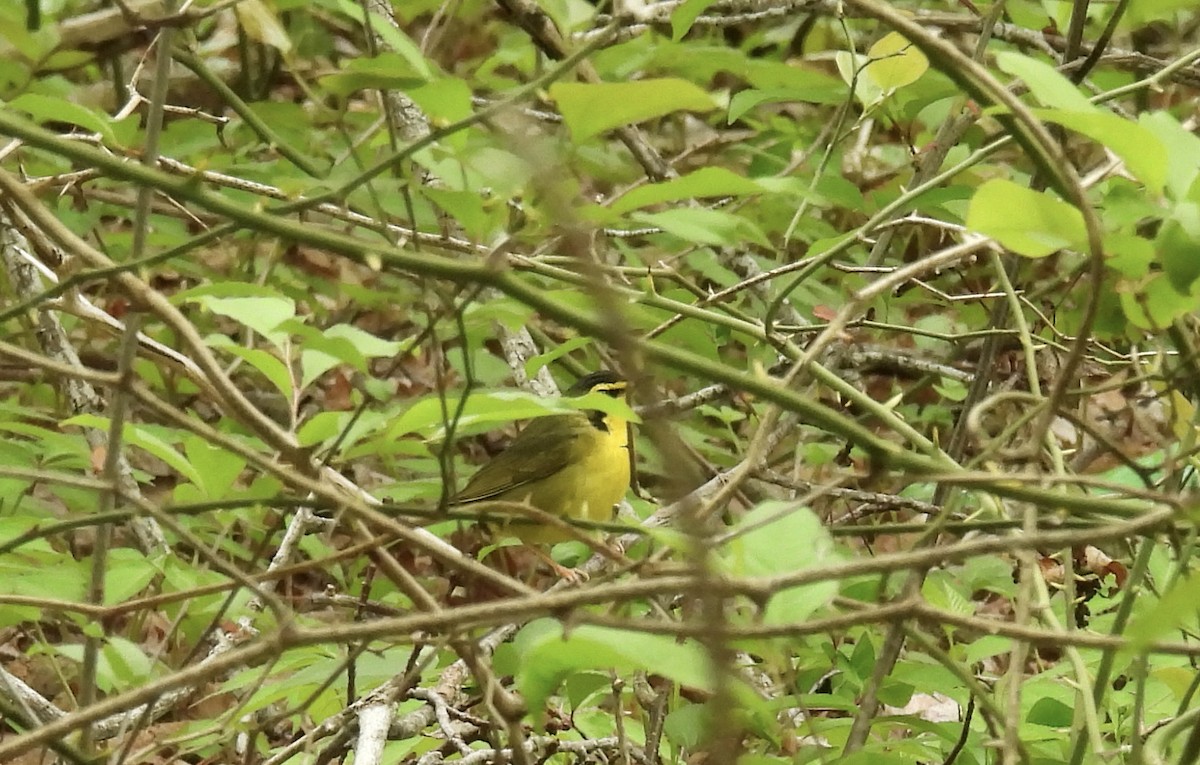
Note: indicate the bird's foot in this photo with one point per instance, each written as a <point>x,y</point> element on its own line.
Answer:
<point>570,575</point>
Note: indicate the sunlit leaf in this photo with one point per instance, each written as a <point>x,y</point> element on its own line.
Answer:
<point>1028,222</point>
<point>1183,151</point>
<point>261,24</point>
<point>128,572</point>
<point>43,109</point>
<point>143,438</point>
<point>894,62</point>
<point>705,182</point>
<point>262,314</point>
<point>1178,244</point>
<point>851,66</point>
<point>219,468</point>
<point>781,538</point>
<point>391,34</point>
<point>270,365</point>
<point>715,227</point>
<point>590,109</point>
<point>685,14</point>
<point>385,71</point>
<point>1153,303</point>
<point>547,655</point>
<point>1141,150</point>
<point>1046,84</point>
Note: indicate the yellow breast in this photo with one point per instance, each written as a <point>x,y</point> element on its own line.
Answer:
<point>594,479</point>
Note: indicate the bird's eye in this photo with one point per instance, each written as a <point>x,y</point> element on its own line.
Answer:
<point>612,391</point>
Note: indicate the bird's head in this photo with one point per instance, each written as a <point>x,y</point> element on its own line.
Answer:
<point>608,383</point>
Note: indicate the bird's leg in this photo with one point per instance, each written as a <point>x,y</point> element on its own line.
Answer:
<point>572,575</point>
<point>615,548</point>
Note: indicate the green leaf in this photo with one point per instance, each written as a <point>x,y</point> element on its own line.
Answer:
<point>547,654</point>
<point>1140,149</point>
<point>1142,12</point>
<point>321,427</point>
<point>1045,82</point>
<point>688,726</point>
<point>850,66</point>
<point>568,15</point>
<point>267,363</point>
<point>774,83</point>
<point>986,646</point>
<point>24,573</point>
<point>262,25</point>
<point>386,71</point>
<point>1176,609</point>
<point>895,62</point>
<point>705,182</point>
<point>143,438</point>
<point>325,349</point>
<point>1129,255</point>
<point>1178,244</point>
<point>468,209</point>
<point>120,663</point>
<point>781,538</point>
<point>63,60</point>
<point>218,468</point>
<point>12,527</point>
<point>584,685</point>
<point>313,364</point>
<point>1050,712</point>
<point>127,573</point>
<point>862,659</point>
<point>42,109</point>
<point>701,226</point>
<point>535,364</point>
<point>952,389</point>
<point>1028,222</point>
<point>339,344</point>
<point>745,100</point>
<point>445,99</point>
<point>32,45</point>
<point>391,34</point>
<point>590,109</point>
<point>895,693</point>
<point>892,63</point>
<point>482,408</point>
<point>1154,303</point>
<point>364,342</point>
<point>261,314</point>
<point>685,14</point>
<point>1183,151</point>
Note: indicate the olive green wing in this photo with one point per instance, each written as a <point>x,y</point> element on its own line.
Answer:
<point>543,448</point>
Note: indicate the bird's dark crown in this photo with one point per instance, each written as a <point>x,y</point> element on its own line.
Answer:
<point>603,381</point>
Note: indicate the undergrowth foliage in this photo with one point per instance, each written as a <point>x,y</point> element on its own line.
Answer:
<point>906,294</point>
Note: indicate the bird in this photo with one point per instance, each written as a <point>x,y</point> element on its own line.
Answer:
<point>572,466</point>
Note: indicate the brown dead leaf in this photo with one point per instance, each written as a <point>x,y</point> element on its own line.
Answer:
<point>1096,561</point>
<point>98,458</point>
<point>117,307</point>
<point>1052,571</point>
<point>338,393</point>
<point>315,262</point>
<point>1111,401</point>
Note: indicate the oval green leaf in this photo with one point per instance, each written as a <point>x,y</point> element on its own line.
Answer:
<point>590,109</point>
<point>1028,222</point>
